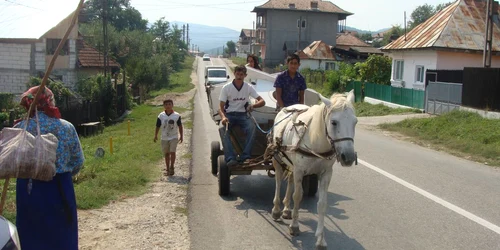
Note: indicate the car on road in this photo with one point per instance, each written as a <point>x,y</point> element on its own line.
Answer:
<point>215,78</point>
<point>206,57</point>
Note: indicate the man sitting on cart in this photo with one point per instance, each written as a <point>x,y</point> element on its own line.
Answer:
<point>234,105</point>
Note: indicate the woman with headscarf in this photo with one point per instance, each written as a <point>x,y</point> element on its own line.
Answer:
<point>253,61</point>
<point>46,210</point>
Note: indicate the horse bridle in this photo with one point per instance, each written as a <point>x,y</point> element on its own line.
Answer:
<point>330,139</point>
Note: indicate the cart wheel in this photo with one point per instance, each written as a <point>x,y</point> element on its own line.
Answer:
<point>310,185</point>
<point>214,154</point>
<point>224,175</point>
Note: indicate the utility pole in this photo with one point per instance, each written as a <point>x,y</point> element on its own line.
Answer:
<point>105,34</point>
<point>187,35</point>
<point>222,50</point>
<point>300,31</point>
<point>184,33</point>
<point>252,38</point>
<point>488,34</point>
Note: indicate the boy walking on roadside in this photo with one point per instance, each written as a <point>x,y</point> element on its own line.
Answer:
<point>290,84</point>
<point>171,126</point>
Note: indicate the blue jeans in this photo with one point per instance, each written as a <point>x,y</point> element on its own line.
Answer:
<point>247,126</point>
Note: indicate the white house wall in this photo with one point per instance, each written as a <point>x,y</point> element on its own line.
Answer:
<point>456,60</point>
<point>309,64</point>
<point>412,59</point>
<point>314,64</point>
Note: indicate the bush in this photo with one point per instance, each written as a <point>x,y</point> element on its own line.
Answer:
<point>6,101</point>
<point>98,88</point>
<point>61,92</point>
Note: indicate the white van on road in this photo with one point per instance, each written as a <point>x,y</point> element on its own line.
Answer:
<point>215,78</point>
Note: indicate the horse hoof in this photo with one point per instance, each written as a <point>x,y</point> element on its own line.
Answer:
<point>294,231</point>
<point>287,215</point>
<point>320,247</point>
<point>276,215</point>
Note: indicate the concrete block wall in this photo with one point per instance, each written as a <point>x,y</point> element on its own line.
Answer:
<point>13,80</point>
<point>14,67</point>
<point>72,54</point>
<point>15,56</point>
<point>40,56</point>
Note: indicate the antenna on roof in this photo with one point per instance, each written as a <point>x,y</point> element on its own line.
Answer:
<point>405,26</point>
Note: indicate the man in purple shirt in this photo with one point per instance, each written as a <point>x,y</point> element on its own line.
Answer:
<point>290,84</point>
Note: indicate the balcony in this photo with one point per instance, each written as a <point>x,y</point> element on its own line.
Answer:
<point>260,25</point>
<point>260,41</point>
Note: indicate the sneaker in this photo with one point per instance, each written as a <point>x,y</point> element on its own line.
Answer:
<point>232,163</point>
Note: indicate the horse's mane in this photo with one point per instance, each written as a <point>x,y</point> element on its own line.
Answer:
<point>317,126</point>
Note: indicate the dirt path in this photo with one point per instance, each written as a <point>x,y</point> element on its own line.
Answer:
<point>155,220</point>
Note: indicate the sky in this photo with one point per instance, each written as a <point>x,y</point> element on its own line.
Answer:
<point>32,18</point>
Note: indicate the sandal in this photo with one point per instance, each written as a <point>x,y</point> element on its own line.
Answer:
<point>171,171</point>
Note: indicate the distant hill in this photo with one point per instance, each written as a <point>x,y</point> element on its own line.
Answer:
<point>209,38</point>
<point>366,31</point>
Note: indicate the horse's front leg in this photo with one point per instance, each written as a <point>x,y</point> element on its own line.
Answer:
<point>278,171</point>
<point>297,198</point>
<point>324,182</point>
<point>287,212</point>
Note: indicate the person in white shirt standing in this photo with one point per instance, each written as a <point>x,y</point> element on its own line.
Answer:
<point>234,105</point>
<point>171,126</point>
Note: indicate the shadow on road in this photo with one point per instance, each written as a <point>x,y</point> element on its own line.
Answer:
<point>257,193</point>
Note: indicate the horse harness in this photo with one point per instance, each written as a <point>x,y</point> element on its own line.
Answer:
<point>283,149</point>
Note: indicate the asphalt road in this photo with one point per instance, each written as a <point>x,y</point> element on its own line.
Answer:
<point>400,196</point>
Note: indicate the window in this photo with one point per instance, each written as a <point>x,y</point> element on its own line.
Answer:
<point>51,46</point>
<point>291,6</point>
<point>303,23</point>
<point>329,66</point>
<point>419,77</point>
<point>398,69</point>
<point>314,5</point>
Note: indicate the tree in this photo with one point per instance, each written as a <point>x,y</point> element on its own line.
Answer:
<point>389,36</point>
<point>420,15</point>
<point>376,69</point>
<point>231,47</point>
<point>364,36</point>
<point>161,29</point>
<point>424,12</point>
<point>120,14</point>
<point>441,6</point>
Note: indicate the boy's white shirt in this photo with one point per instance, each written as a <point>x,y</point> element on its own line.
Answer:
<point>169,130</point>
<point>237,99</point>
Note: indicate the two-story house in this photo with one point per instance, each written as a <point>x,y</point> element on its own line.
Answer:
<point>244,43</point>
<point>284,26</point>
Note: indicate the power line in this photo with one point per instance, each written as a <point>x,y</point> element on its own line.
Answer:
<point>20,4</point>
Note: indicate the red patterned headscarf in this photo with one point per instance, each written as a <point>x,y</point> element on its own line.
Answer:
<point>44,103</point>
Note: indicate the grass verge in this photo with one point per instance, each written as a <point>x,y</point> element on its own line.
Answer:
<point>239,60</point>
<point>132,165</point>
<point>178,80</point>
<point>367,109</point>
<point>463,134</point>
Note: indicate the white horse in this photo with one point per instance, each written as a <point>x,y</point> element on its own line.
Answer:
<point>310,144</point>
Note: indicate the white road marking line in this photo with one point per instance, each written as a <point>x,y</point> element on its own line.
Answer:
<point>436,199</point>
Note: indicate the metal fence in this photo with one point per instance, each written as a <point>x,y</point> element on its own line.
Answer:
<point>443,97</point>
<point>402,96</point>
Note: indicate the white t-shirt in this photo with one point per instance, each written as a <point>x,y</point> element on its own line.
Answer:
<point>169,125</point>
<point>237,100</point>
